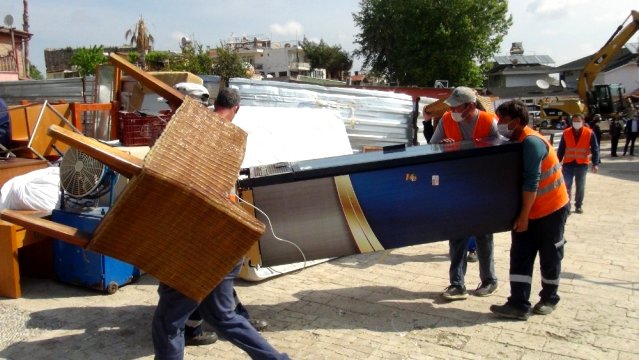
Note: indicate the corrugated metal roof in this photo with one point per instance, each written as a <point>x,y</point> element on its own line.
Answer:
<point>69,90</point>
<point>371,117</point>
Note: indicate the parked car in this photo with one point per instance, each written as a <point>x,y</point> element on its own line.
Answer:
<point>534,111</point>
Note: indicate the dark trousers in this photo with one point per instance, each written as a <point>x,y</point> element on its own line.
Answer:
<point>614,142</point>
<point>546,237</point>
<point>457,249</point>
<point>472,244</point>
<point>217,309</point>
<point>630,139</point>
<point>196,330</point>
<point>577,172</point>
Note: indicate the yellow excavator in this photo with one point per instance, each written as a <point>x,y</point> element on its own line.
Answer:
<point>604,99</point>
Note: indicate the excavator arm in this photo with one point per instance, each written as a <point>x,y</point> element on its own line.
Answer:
<point>601,58</point>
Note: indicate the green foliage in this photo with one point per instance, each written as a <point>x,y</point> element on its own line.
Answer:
<point>34,73</point>
<point>416,42</point>
<point>334,59</point>
<point>86,60</point>
<point>133,57</point>
<point>193,59</point>
<point>158,60</point>
<point>228,65</point>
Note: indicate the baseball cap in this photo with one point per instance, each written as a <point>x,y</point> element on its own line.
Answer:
<point>195,90</point>
<point>461,95</point>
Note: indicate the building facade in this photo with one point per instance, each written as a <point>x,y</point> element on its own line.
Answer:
<point>58,61</point>
<point>13,62</point>
<point>276,60</point>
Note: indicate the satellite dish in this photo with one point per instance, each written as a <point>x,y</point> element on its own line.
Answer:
<point>563,84</point>
<point>8,20</point>
<point>542,84</point>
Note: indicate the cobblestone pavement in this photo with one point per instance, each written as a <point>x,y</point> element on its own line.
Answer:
<point>383,305</point>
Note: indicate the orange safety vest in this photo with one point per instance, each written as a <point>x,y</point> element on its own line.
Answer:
<point>552,194</point>
<point>481,130</point>
<point>578,151</point>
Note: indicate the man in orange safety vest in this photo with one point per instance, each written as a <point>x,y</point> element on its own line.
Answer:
<point>577,149</point>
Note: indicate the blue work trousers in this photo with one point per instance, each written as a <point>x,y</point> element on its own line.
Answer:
<point>472,244</point>
<point>457,250</point>
<point>578,173</point>
<point>218,310</point>
<point>546,237</point>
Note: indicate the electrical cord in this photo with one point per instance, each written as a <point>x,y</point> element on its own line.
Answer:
<point>234,197</point>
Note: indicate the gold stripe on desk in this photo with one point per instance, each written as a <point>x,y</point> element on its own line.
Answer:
<point>363,235</point>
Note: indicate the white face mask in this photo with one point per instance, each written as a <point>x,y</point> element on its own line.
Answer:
<point>503,130</point>
<point>577,125</point>
<point>458,117</point>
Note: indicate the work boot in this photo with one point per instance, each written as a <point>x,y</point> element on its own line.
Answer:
<point>472,256</point>
<point>205,338</point>
<point>455,292</point>
<point>508,311</point>
<point>258,324</point>
<point>486,289</point>
<point>543,308</point>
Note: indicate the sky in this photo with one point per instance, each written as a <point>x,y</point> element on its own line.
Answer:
<point>565,30</point>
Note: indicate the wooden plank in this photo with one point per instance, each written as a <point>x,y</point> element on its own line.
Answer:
<point>123,163</point>
<point>9,266</point>
<point>172,96</point>
<point>50,228</point>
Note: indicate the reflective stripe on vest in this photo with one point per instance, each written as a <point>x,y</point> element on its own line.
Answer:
<point>577,151</point>
<point>551,192</point>
<point>482,126</point>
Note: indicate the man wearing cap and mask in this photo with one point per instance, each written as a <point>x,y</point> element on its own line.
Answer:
<point>539,225</point>
<point>578,148</point>
<point>463,122</point>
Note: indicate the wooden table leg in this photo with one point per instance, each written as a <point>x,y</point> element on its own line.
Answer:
<point>9,266</point>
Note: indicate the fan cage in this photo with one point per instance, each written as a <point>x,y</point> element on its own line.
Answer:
<point>82,176</point>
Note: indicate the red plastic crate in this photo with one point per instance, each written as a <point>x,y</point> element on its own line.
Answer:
<point>140,129</point>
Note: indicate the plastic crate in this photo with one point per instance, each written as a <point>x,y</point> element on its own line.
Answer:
<point>140,129</point>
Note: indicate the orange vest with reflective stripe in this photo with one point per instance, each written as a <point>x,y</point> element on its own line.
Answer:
<point>552,194</point>
<point>481,130</point>
<point>577,151</point>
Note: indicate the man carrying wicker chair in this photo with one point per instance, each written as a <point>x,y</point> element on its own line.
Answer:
<point>219,307</point>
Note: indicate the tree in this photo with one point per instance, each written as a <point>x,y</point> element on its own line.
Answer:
<point>141,39</point>
<point>334,59</point>
<point>34,73</point>
<point>86,61</point>
<point>416,42</point>
<point>158,60</point>
<point>193,59</point>
<point>228,65</point>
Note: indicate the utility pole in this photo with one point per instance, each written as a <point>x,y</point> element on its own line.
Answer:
<point>25,27</point>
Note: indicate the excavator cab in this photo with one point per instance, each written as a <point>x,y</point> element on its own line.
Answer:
<point>606,99</point>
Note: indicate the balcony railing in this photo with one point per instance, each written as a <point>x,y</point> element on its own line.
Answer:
<point>8,63</point>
